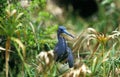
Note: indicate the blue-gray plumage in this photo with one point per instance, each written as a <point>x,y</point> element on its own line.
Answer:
<point>62,51</point>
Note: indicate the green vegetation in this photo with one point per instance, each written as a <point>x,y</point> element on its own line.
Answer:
<point>28,37</point>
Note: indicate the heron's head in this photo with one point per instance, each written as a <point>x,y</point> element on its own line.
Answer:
<point>62,29</point>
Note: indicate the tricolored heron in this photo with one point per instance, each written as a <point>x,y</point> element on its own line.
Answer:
<point>62,51</point>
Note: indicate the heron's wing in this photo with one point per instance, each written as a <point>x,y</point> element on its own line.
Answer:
<point>70,58</point>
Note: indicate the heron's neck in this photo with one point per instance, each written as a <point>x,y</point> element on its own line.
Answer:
<point>60,37</point>
<point>62,41</point>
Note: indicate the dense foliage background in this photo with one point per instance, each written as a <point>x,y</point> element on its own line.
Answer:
<point>28,37</point>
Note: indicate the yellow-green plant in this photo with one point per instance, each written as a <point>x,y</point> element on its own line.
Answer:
<point>102,57</point>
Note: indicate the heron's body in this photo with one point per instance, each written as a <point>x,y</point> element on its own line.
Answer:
<point>60,49</point>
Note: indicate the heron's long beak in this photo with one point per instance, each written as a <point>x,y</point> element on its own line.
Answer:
<point>66,32</point>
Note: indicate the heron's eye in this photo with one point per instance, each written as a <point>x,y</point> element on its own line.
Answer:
<point>61,30</point>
